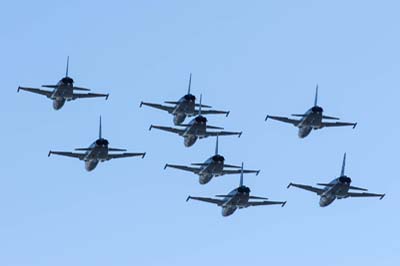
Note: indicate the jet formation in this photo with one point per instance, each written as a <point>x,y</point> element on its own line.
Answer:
<point>312,119</point>
<point>198,128</point>
<point>63,91</point>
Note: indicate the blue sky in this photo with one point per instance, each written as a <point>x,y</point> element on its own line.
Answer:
<point>252,58</point>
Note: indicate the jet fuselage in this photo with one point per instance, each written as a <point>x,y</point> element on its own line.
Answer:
<point>185,107</point>
<point>238,198</point>
<point>97,152</point>
<point>196,129</point>
<point>337,190</point>
<point>213,166</point>
<point>312,120</point>
<point>63,92</point>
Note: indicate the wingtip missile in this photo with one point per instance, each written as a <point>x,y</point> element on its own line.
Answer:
<point>107,96</point>
<point>355,125</point>
<point>188,198</point>
<point>151,126</point>
<point>143,155</point>
<point>240,134</point>
<point>266,118</point>
<point>141,104</point>
<point>382,196</point>
<point>50,152</point>
<point>258,172</point>
<point>166,166</point>
<point>18,88</point>
<point>227,113</point>
<point>290,184</point>
<point>283,204</point>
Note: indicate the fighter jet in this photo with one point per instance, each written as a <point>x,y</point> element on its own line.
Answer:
<point>312,119</point>
<point>339,188</point>
<point>212,167</point>
<point>237,198</point>
<point>97,152</point>
<point>63,91</point>
<point>184,107</point>
<point>197,128</point>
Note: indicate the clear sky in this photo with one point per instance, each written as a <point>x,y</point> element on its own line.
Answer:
<point>250,57</point>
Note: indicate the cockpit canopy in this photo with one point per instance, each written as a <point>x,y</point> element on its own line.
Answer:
<point>102,142</point>
<point>345,180</point>
<point>201,119</point>
<point>67,81</point>
<point>190,98</point>
<point>218,158</point>
<point>243,190</point>
<point>317,109</point>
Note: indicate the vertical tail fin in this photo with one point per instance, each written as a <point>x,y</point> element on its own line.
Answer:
<point>190,83</point>
<point>100,129</point>
<point>343,165</point>
<point>66,71</point>
<point>316,96</point>
<point>241,176</point>
<point>216,146</point>
<point>201,96</point>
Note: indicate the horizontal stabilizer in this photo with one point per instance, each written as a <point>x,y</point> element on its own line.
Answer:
<point>358,188</point>
<point>80,89</point>
<point>83,149</point>
<point>200,164</point>
<point>50,86</point>
<point>299,115</point>
<point>330,117</point>
<point>115,149</point>
<point>325,185</point>
<point>232,166</point>
<point>224,196</point>
<point>213,127</point>
<point>171,102</point>
<point>203,105</point>
<point>255,197</point>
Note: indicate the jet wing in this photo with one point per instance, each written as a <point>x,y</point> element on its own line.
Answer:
<point>184,168</point>
<point>88,95</point>
<point>265,202</point>
<point>319,191</point>
<point>209,200</point>
<point>294,122</point>
<point>169,109</point>
<point>364,194</point>
<point>37,91</point>
<point>338,124</point>
<point>169,129</point>
<point>222,133</point>
<point>80,156</point>
<point>212,112</point>
<point>125,155</point>
<point>238,171</point>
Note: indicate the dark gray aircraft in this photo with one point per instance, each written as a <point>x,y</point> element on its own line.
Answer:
<point>312,119</point>
<point>197,128</point>
<point>212,167</point>
<point>237,198</point>
<point>97,152</point>
<point>63,91</point>
<point>186,106</point>
<point>339,188</point>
